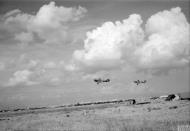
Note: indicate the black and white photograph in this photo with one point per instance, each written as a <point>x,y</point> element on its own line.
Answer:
<point>94,65</point>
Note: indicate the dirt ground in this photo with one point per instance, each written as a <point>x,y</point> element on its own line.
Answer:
<point>152,115</point>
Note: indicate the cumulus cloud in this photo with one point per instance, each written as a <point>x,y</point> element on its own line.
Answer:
<point>168,40</point>
<point>108,46</point>
<point>163,43</point>
<point>50,65</point>
<point>24,37</point>
<point>2,66</point>
<point>12,13</point>
<point>27,71</point>
<point>50,23</point>
<point>21,77</point>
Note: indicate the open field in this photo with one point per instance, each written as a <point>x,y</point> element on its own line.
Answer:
<point>147,115</point>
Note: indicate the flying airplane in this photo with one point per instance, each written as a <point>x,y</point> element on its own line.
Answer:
<point>99,80</point>
<point>139,82</point>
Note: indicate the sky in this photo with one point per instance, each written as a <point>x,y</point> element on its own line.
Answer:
<point>50,51</point>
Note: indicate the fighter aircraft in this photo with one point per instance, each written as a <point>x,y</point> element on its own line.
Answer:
<point>99,80</point>
<point>139,82</point>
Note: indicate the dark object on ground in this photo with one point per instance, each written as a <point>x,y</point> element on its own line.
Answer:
<point>154,98</point>
<point>4,110</point>
<point>185,99</point>
<point>4,119</point>
<point>18,109</point>
<point>142,103</point>
<point>153,108</point>
<point>130,101</point>
<point>173,107</point>
<point>170,97</point>
<point>67,115</point>
<point>36,108</point>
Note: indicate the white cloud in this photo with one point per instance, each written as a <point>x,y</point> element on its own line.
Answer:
<point>21,77</point>
<point>45,72</point>
<point>12,13</point>
<point>168,40</point>
<point>27,71</point>
<point>50,65</point>
<point>2,66</point>
<point>13,24</point>
<point>53,16</point>
<point>164,43</point>
<point>70,67</point>
<point>108,46</point>
<point>50,23</point>
<point>32,63</point>
<point>24,37</point>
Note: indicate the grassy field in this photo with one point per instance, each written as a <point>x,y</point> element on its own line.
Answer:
<point>145,116</point>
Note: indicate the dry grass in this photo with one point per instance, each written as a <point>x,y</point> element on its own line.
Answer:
<point>115,118</point>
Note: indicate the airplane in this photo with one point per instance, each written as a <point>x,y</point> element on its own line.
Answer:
<point>139,82</point>
<point>99,80</point>
<point>143,81</point>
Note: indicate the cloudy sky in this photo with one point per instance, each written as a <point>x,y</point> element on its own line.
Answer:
<point>50,51</point>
